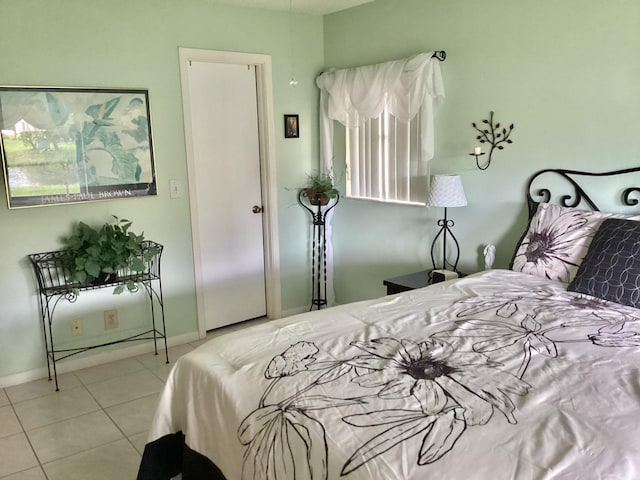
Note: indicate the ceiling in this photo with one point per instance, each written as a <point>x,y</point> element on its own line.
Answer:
<point>312,7</point>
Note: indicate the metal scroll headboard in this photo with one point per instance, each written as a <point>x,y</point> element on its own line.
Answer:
<point>574,181</point>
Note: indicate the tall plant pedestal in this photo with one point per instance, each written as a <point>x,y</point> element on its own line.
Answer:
<point>318,212</point>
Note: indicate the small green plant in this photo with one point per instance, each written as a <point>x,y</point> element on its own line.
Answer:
<point>321,183</point>
<point>96,255</point>
<point>319,188</point>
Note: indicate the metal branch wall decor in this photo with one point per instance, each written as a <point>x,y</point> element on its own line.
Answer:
<point>492,134</point>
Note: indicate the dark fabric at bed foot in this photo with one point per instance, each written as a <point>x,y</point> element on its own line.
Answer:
<point>168,456</point>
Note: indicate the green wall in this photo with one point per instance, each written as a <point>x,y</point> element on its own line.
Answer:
<point>566,73</point>
<point>123,43</point>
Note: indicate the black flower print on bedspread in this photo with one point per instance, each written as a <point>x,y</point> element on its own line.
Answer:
<point>453,389</point>
<point>449,391</point>
<point>433,373</point>
<point>283,439</point>
<point>445,383</point>
<point>548,304</point>
<point>536,323</point>
<point>496,335</point>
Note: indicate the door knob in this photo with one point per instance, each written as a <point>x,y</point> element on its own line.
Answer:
<point>257,209</point>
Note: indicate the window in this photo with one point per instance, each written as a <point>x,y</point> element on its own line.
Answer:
<point>387,112</point>
<point>383,160</point>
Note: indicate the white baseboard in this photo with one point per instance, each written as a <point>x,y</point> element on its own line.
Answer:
<point>98,358</point>
<point>293,311</point>
<point>101,357</point>
<point>297,310</point>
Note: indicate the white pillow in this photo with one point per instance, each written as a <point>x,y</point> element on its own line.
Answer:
<point>557,241</point>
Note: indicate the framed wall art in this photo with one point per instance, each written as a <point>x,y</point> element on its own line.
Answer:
<point>291,127</point>
<point>68,145</point>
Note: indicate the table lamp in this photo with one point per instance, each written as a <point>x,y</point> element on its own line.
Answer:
<point>445,191</point>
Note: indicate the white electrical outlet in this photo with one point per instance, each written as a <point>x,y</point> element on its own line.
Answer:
<point>76,327</point>
<point>110,319</point>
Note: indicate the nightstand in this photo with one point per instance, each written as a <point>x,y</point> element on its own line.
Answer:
<point>407,282</point>
<point>411,281</point>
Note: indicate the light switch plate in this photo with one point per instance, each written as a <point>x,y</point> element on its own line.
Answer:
<point>175,189</point>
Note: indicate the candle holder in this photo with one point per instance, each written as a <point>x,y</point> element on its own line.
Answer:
<point>478,155</point>
<point>493,136</point>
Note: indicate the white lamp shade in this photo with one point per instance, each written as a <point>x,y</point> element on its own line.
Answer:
<point>446,191</point>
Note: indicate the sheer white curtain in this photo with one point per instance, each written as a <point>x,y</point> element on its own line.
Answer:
<point>352,96</point>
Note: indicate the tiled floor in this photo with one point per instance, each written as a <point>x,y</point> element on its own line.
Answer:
<point>94,428</point>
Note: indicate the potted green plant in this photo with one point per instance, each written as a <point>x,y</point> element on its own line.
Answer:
<point>94,256</point>
<point>319,188</point>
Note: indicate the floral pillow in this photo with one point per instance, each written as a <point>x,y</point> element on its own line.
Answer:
<point>557,241</point>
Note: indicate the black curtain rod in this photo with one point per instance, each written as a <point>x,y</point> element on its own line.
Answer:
<point>440,55</point>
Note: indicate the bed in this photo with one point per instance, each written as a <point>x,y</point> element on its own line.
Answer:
<point>526,373</point>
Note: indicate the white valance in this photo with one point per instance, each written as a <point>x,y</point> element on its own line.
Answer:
<point>406,87</point>
<point>354,95</point>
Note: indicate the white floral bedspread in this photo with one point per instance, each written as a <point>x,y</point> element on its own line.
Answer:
<point>501,375</point>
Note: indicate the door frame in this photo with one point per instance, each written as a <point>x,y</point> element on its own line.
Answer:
<point>268,178</point>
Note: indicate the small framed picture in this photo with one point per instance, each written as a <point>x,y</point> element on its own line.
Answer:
<point>291,127</point>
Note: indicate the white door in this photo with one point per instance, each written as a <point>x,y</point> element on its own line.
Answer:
<point>226,182</point>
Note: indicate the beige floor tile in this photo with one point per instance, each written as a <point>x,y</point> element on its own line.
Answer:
<point>139,440</point>
<point>134,416</point>
<point>73,436</point>
<point>4,400</point>
<point>125,388</point>
<point>15,454</point>
<point>55,407</point>
<point>150,360</point>
<point>162,371</point>
<point>108,370</point>
<point>38,388</point>
<point>35,473</point>
<point>115,461</point>
<point>9,424</point>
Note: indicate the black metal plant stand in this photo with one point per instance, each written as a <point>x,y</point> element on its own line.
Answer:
<point>318,248</point>
<point>53,286</point>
